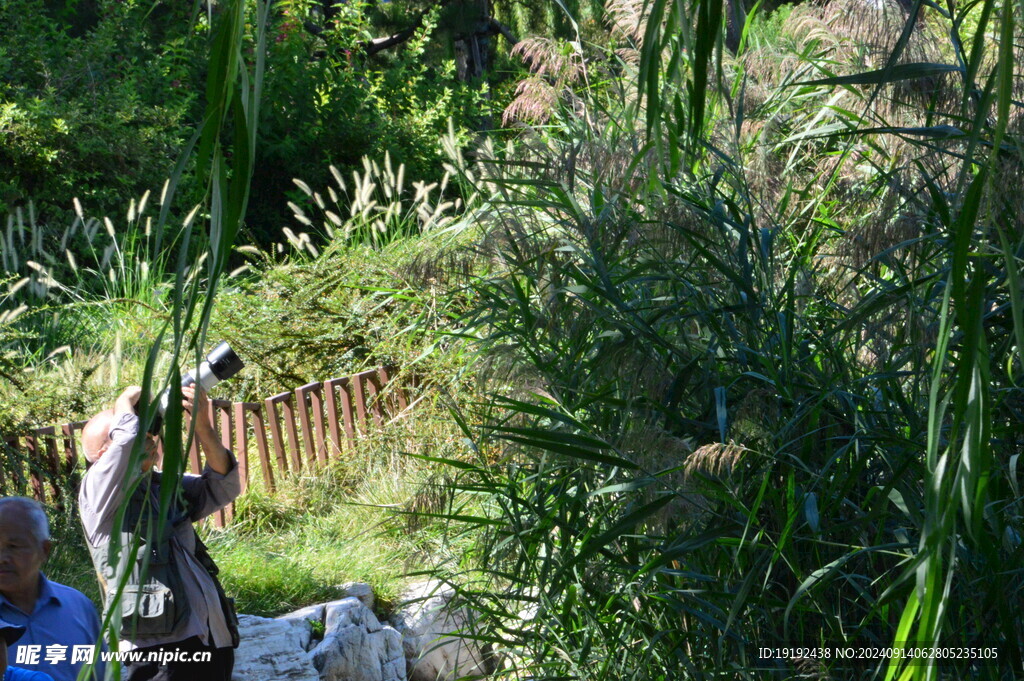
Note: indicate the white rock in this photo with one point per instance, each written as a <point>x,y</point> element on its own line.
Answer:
<point>430,623</point>
<point>356,646</point>
<point>273,649</point>
<point>360,590</point>
<point>312,613</point>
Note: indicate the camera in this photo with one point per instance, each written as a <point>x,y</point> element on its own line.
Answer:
<point>221,364</point>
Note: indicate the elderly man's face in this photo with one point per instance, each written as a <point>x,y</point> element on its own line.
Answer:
<point>21,553</point>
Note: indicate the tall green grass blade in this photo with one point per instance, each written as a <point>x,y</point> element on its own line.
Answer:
<point>226,108</point>
<point>708,36</point>
<point>1016,290</point>
<point>887,76</point>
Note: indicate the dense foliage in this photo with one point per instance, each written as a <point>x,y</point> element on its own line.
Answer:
<point>98,99</point>
<point>747,326</point>
<point>758,351</point>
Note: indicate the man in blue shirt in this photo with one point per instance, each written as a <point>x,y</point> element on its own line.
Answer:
<point>9,633</point>
<point>60,623</point>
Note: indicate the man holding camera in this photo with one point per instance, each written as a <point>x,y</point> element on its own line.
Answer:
<point>173,607</point>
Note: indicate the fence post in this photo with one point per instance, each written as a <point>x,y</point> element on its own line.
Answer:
<point>345,388</point>
<point>274,421</point>
<point>359,393</point>
<point>32,461</point>
<point>305,403</point>
<point>241,444</point>
<point>316,404</point>
<point>226,430</point>
<point>70,431</point>
<point>331,403</point>
<point>293,434</point>
<point>261,443</point>
<point>376,397</point>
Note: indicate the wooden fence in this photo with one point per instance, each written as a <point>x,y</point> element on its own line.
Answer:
<point>294,431</point>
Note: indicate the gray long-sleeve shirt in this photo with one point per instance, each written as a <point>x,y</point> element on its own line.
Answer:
<point>102,491</point>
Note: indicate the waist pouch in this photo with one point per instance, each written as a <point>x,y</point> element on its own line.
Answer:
<point>156,606</point>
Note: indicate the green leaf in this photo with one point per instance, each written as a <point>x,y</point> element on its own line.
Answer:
<point>885,76</point>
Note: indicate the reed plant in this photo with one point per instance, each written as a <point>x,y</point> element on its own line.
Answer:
<point>754,365</point>
<point>372,208</point>
<point>102,275</point>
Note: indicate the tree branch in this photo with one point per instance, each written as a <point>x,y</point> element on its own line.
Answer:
<point>498,27</point>
<point>376,45</point>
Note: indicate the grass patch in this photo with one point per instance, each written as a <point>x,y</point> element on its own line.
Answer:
<point>265,582</point>
<point>69,561</point>
<point>360,520</point>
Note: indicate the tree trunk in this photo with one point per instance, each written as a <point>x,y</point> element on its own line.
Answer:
<point>735,18</point>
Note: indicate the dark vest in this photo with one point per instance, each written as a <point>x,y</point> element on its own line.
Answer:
<point>157,605</point>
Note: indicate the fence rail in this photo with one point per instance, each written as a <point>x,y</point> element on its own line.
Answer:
<point>308,428</point>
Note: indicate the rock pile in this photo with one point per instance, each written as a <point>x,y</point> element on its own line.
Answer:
<point>344,641</point>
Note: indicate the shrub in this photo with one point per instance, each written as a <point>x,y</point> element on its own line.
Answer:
<point>326,103</point>
<point>346,310</point>
<point>714,426</point>
<point>98,115</point>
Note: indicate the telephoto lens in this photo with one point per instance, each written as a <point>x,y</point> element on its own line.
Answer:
<point>221,364</point>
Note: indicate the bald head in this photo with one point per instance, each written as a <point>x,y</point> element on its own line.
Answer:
<point>96,439</point>
<point>96,435</point>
